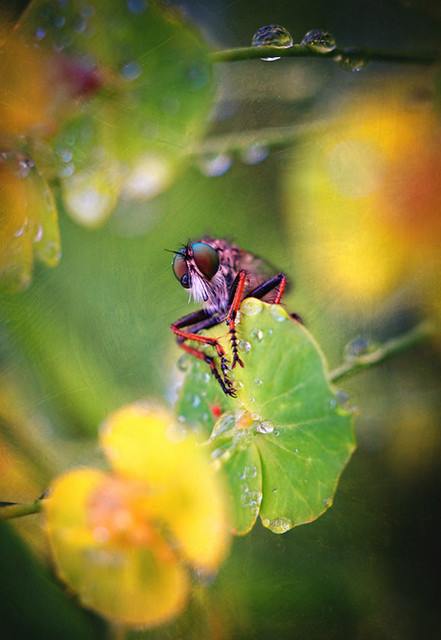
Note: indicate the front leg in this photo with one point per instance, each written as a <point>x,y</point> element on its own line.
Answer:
<point>238,288</point>
<point>198,321</point>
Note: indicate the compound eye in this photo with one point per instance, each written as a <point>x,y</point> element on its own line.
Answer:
<point>206,258</point>
<point>180,270</point>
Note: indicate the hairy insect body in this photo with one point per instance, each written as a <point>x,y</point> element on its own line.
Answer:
<point>220,275</point>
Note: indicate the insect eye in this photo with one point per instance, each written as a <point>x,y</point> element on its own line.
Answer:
<point>180,270</point>
<point>206,258</point>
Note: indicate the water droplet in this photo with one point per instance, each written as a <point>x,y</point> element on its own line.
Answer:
<point>251,498</point>
<point>327,502</point>
<point>359,346</point>
<point>254,154</point>
<point>65,155</point>
<point>277,313</point>
<point>216,453</point>
<point>183,363</point>
<point>182,419</point>
<point>67,171</point>
<point>244,346</point>
<point>258,381</point>
<point>265,427</point>
<point>21,230</point>
<point>255,417</point>
<point>80,24</point>
<point>278,525</point>
<point>131,71</point>
<point>225,423</point>
<point>341,397</point>
<point>276,433</point>
<point>206,377</point>
<point>38,234</point>
<point>216,165</point>
<point>137,6</point>
<point>40,33</point>
<point>239,384</point>
<point>251,307</point>
<point>320,41</point>
<point>258,334</point>
<point>351,62</point>
<point>272,35</point>
<point>248,472</point>
<point>196,401</point>
<point>275,490</point>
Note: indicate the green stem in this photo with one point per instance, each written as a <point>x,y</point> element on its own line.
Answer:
<point>9,511</point>
<point>269,138</point>
<point>297,51</point>
<point>389,348</point>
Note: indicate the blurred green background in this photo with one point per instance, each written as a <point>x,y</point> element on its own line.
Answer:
<point>93,333</point>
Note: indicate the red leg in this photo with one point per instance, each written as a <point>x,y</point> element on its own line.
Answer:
<point>182,336</point>
<point>280,290</point>
<point>231,317</point>
<point>225,383</point>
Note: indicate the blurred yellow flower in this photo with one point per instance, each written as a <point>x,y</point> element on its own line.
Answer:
<point>122,540</point>
<point>366,195</point>
<point>28,220</point>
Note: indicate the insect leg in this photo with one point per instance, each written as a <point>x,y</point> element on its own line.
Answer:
<point>205,323</point>
<point>277,281</point>
<point>238,287</point>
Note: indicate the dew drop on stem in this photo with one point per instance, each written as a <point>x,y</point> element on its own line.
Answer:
<point>319,40</point>
<point>273,35</point>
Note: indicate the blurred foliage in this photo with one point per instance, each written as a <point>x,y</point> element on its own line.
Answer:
<point>92,334</point>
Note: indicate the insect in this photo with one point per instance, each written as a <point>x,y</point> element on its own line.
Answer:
<point>221,275</point>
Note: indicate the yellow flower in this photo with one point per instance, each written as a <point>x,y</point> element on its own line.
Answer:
<point>28,221</point>
<point>122,540</point>
<point>367,194</point>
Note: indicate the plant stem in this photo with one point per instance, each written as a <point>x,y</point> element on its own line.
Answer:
<point>9,511</point>
<point>390,348</point>
<point>298,51</point>
<point>269,138</point>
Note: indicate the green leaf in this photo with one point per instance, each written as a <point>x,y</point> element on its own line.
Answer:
<point>287,437</point>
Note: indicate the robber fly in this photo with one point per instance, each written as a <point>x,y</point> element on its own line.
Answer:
<point>220,275</point>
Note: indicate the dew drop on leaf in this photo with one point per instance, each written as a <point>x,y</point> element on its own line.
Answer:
<point>277,313</point>
<point>251,307</point>
<point>272,35</point>
<point>258,334</point>
<point>245,346</point>
<point>265,427</point>
<point>279,525</point>
<point>131,71</point>
<point>319,40</point>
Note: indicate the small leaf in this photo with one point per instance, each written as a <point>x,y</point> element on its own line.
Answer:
<point>288,422</point>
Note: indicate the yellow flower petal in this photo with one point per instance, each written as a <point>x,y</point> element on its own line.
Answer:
<point>143,442</point>
<point>136,584</point>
